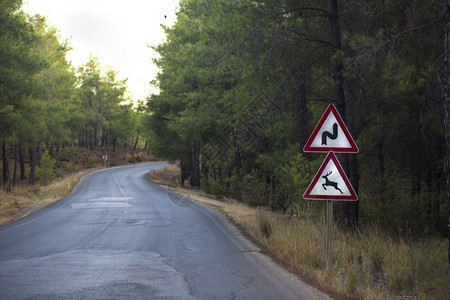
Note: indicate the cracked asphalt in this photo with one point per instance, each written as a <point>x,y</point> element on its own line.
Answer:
<point>119,236</point>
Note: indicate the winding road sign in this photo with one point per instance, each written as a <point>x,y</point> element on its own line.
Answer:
<point>330,182</point>
<point>331,134</point>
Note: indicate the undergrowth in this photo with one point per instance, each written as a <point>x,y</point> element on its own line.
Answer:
<point>366,264</point>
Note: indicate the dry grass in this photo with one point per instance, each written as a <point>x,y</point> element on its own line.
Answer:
<point>366,265</point>
<point>165,175</point>
<point>25,199</point>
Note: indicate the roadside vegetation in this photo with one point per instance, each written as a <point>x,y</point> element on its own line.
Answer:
<point>70,165</point>
<point>242,85</point>
<point>367,264</point>
<point>56,121</point>
<point>48,104</point>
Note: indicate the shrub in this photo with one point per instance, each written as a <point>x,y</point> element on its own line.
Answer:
<point>264,224</point>
<point>69,167</point>
<point>91,161</point>
<point>45,169</point>
<point>216,190</point>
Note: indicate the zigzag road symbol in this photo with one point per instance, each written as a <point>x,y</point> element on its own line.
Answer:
<point>331,136</point>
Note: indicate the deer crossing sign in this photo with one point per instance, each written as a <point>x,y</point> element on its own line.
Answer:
<point>330,183</point>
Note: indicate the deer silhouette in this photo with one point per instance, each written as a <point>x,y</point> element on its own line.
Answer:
<point>330,183</point>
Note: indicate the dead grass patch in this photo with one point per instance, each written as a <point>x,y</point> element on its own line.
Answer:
<point>165,175</point>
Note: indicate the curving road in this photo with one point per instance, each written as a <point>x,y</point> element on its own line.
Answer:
<point>119,236</point>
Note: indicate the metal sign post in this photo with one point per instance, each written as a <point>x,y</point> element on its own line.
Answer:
<point>105,158</point>
<point>329,228</point>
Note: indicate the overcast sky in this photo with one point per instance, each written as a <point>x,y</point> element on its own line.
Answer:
<point>115,31</point>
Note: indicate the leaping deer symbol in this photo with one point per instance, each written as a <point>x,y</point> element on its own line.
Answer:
<point>330,183</point>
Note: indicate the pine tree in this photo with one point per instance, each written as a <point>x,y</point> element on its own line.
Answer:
<point>45,169</point>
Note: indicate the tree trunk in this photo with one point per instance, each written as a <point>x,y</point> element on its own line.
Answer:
<point>433,180</point>
<point>348,210</point>
<point>183,171</point>
<point>15,166</point>
<point>95,133</point>
<point>186,170</point>
<point>353,174</point>
<point>205,169</point>
<point>91,146</point>
<point>103,137</point>
<point>303,119</point>
<point>32,166</point>
<point>195,161</point>
<point>444,79</point>
<point>51,148</point>
<point>81,139</point>
<point>86,143</point>
<point>214,174</point>
<point>237,157</point>
<point>229,172</point>
<point>6,183</point>
<point>39,153</point>
<point>114,144</point>
<point>219,174</point>
<point>137,140</point>
<point>22,163</point>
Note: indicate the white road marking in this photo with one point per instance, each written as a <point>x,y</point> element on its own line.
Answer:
<point>104,202</point>
<point>89,205</point>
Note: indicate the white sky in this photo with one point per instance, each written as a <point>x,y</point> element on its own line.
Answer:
<point>115,31</point>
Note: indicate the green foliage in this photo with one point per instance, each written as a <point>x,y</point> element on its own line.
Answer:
<point>43,101</point>
<point>302,173</point>
<point>69,167</point>
<point>217,190</point>
<point>20,62</point>
<point>45,168</point>
<point>230,77</point>
<point>91,161</point>
<point>250,189</point>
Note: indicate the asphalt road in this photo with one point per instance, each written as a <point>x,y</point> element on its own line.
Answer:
<point>119,236</point>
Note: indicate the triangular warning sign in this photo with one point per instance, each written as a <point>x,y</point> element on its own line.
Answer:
<point>330,182</point>
<point>331,134</point>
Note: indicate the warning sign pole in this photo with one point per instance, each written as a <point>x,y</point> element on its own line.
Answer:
<point>330,183</point>
<point>329,228</point>
<point>105,158</point>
